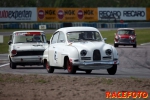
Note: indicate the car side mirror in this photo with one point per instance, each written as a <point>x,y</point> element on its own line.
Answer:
<point>105,39</point>
<point>9,42</point>
<point>48,42</point>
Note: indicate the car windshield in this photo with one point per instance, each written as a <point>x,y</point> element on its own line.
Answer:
<point>123,32</point>
<point>30,38</point>
<point>78,36</point>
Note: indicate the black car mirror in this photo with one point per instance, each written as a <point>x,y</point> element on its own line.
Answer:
<point>105,39</point>
<point>9,42</point>
<point>48,42</point>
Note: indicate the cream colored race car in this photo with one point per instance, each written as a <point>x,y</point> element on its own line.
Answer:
<point>80,48</point>
<point>26,48</point>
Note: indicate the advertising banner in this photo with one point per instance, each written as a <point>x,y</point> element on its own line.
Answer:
<point>147,13</point>
<point>121,13</point>
<point>18,14</point>
<point>67,14</point>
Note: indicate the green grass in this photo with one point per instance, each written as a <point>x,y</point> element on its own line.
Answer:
<point>4,46</point>
<point>143,36</point>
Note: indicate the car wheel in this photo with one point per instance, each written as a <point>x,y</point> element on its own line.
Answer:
<point>112,70</point>
<point>134,46</point>
<point>12,65</point>
<point>49,68</point>
<point>88,71</point>
<point>71,69</point>
<point>115,45</point>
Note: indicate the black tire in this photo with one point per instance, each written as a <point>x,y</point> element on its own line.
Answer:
<point>44,65</point>
<point>12,65</point>
<point>71,69</point>
<point>116,45</point>
<point>88,71</point>
<point>134,46</point>
<point>112,70</point>
<point>49,68</point>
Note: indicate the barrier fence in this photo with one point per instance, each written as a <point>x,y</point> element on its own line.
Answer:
<point>60,25</point>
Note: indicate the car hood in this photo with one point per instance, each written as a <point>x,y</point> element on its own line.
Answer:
<point>30,46</point>
<point>89,46</point>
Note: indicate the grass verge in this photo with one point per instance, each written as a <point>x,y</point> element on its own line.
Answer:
<point>142,37</point>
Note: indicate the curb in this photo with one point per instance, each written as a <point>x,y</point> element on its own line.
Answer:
<point>145,43</point>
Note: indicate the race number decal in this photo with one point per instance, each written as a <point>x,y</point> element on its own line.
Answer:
<point>55,56</point>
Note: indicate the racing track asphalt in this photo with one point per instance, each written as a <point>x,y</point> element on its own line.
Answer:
<point>134,62</point>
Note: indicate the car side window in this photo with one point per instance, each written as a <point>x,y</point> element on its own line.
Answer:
<point>61,38</point>
<point>55,38</point>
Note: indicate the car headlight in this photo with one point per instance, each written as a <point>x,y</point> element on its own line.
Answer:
<point>83,53</point>
<point>108,52</point>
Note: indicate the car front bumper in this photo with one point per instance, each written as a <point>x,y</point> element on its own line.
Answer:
<point>124,43</point>
<point>97,64</point>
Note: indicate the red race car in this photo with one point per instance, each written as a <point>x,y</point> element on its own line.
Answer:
<point>125,36</point>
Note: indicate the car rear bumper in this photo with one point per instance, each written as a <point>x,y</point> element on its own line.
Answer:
<point>26,59</point>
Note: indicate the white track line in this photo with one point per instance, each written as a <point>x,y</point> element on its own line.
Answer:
<point>4,65</point>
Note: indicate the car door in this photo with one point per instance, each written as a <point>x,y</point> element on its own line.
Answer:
<point>61,44</point>
<point>52,50</point>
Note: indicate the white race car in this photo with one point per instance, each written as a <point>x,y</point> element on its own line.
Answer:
<point>26,48</point>
<point>80,48</point>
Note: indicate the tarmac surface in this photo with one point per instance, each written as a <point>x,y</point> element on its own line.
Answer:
<point>134,62</point>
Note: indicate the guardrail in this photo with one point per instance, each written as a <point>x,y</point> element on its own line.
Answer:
<point>59,25</point>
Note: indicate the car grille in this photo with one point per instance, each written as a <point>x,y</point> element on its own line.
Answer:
<point>85,58</point>
<point>124,40</point>
<point>107,58</point>
<point>96,55</point>
<point>29,53</point>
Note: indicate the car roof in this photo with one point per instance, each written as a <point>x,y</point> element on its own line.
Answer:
<point>71,29</point>
<point>28,31</point>
<point>125,29</point>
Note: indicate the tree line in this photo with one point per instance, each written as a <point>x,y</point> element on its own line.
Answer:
<point>75,3</point>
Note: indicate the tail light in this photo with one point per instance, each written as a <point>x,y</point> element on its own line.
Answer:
<point>116,38</point>
<point>14,52</point>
